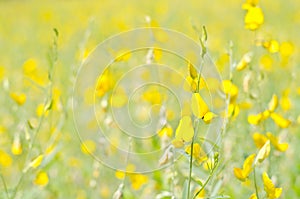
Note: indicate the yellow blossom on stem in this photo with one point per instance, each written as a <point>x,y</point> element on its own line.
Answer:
<point>242,174</point>
<point>184,132</point>
<point>259,139</point>
<point>263,153</point>
<point>269,187</point>
<point>198,153</point>
<point>254,18</point>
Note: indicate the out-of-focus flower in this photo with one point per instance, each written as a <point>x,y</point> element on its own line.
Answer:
<point>5,159</point>
<point>259,139</point>
<point>273,103</point>
<point>253,196</point>
<point>242,174</point>
<point>272,46</point>
<point>36,162</point>
<point>263,153</point>
<point>88,146</point>
<point>270,189</point>
<point>16,147</point>
<point>254,17</point>
<point>230,89</point>
<point>19,98</point>
<point>275,142</point>
<point>2,72</point>
<point>41,179</point>
<point>165,131</point>
<point>198,153</point>
<point>285,101</point>
<point>246,59</point>
<point>280,121</point>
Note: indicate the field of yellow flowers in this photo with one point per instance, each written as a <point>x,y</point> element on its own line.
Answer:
<point>149,99</point>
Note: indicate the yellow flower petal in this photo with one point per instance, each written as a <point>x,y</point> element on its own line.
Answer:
<point>185,130</point>
<point>269,187</point>
<point>230,89</point>
<point>280,121</point>
<point>37,161</point>
<point>273,103</point>
<point>263,153</point>
<point>259,140</point>
<point>208,117</point>
<point>19,98</point>
<point>254,18</point>
<point>41,179</point>
<point>254,119</point>
<point>199,107</point>
<point>165,131</point>
<point>246,59</point>
<point>274,140</point>
<point>88,146</point>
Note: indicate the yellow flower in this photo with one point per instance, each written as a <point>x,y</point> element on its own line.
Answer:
<point>199,107</point>
<point>254,18</point>
<point>16,147</point>
<point>274,140</point>
<point>198,153</point>
<point>273,103</point>
<point>153,96</point>
<point>88,146</point>
<point>259,139</point>
<point>19,98</point>
<point>286,49</point>
<point>263,153</point>
<point>5,159</point>
<point>253,196</point>
<point>266,62</point>
<point>165,131</point>
<point>41,179</point>
<point>272,46</point>
<point>2,72</point>
<point>233,110</point>
<point>280,121</point>
<point>230,89</point>
<point>285,101</point>
<point>242,174</point>
<point>36,162</point>
<point>246,59</point>
<point>104,83</point>
<point>138,180</point>
<point>270,189</point>
<point>184,132</point>
<point>255,119</point>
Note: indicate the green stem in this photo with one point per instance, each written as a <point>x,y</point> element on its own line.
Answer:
<point>255,184</point>
<point>5,187</point>
<point>207,180</point>
<point>191,168</point>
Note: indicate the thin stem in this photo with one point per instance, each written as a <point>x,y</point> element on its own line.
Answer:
<point>255,184</point>
<point>191,168</point>
<point>5,187</point>
<point>207,180</point>
<point>191,157</point>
